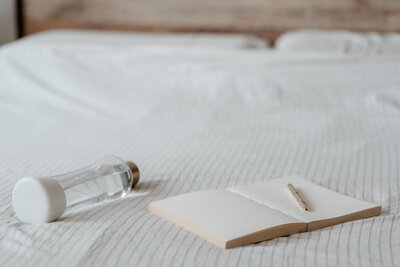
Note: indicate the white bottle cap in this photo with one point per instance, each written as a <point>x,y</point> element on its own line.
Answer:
<point>38,200</point>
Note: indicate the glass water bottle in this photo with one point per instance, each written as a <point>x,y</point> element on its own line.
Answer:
<point>44,199</point>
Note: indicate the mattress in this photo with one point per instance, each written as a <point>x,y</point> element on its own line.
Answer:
<point>192,119</point>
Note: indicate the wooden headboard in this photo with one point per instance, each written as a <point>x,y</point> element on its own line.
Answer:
<point>267,18</point>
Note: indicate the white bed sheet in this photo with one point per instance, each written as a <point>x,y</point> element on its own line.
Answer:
<point>197,119</point>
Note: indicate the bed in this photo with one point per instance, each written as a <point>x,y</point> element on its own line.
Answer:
<point>197,117</point>
<point>197,111</point>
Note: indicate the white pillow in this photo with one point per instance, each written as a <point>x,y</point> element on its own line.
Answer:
<point>212,40</point>
<point>340,42</point>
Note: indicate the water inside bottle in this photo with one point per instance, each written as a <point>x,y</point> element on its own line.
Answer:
<point>97,183</point>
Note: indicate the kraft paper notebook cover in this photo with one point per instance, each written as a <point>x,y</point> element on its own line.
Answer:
<point>247,214</point>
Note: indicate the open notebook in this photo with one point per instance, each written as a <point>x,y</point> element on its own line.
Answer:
<point>248,214</point>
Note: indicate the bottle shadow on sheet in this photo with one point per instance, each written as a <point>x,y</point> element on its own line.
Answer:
<point>138,199</point>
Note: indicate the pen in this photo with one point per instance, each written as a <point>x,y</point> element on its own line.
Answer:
<point>297,197</point>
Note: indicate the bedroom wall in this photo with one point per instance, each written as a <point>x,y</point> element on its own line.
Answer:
<point>264,17</point>
<point>8,27</point>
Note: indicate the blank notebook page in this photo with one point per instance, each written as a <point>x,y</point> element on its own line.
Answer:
<point>322,203</point>
<point>220,214</point>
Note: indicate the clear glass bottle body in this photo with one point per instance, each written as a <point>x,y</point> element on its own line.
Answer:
<point>110,177</point>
